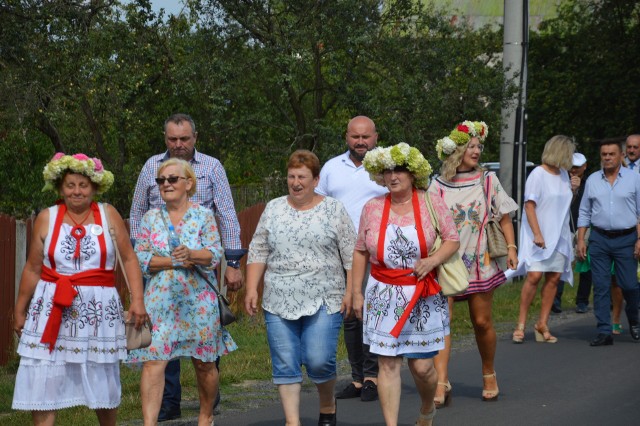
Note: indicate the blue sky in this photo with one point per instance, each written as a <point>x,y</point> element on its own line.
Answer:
<point>170,6</point>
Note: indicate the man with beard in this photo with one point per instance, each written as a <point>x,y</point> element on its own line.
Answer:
<point>344,177</point>
<point>611,206</point>
<point>213,192</point>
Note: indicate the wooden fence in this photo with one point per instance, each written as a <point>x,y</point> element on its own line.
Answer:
<point>14,245</point>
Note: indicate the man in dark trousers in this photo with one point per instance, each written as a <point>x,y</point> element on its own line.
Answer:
<point>611,207</point>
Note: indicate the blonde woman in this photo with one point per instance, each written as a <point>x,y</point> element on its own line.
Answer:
<point>545,237</point>
<point>183,309</point>
<point>464,186</point>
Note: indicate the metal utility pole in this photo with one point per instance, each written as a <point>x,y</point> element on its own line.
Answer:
<point>513,144</point>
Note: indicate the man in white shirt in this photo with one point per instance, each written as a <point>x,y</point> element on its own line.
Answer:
<point>343,177</point>
<point>632,152</point>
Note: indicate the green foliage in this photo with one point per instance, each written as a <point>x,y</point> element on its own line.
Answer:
<point>583,81</point>
<point>259,78</point>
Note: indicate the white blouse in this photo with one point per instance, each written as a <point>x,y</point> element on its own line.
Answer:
<point>306,253</point>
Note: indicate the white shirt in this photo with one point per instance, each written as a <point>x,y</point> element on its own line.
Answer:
<point>341,179</point>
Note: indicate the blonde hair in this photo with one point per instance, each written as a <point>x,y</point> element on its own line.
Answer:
<point>185,168</point>
<point>450,164</point>
<point>558,152</point>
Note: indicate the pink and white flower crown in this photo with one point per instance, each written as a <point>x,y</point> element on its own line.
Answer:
<point>76,163</point>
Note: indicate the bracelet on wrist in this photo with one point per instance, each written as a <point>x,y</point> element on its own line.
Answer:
<point>512,246</point>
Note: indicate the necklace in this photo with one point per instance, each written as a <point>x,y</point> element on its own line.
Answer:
<point>402,202</point>
<point>78,232</point>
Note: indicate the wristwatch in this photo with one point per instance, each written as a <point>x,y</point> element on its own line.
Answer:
<point>233,264</point>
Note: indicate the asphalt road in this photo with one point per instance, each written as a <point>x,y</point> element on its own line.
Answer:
<point>567,383</point>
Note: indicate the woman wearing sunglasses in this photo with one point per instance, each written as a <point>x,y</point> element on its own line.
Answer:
<point>182,308</point>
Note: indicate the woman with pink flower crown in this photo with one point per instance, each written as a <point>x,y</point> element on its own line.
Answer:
<point>474,197</point>
<point>68,315</point>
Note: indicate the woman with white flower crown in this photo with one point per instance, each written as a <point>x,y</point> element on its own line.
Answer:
<point>68,314</point>
<point>466,188</point>
<point>404,314</point>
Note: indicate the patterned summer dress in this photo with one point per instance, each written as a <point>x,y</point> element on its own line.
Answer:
<point>83,368</point>
<point>466,198</point>
<point>182,307</point>
<point>428,322</point>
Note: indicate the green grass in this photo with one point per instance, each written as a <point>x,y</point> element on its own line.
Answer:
<point>249,362</point>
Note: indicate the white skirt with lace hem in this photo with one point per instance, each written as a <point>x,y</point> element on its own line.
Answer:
<point>44,385</point>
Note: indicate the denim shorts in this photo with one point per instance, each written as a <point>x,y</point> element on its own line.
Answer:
<point>311,341</point>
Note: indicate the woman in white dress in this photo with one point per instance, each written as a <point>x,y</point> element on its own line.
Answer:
<point>474,197</point>
<point>545,237</point>
<point>404,314</point>
<point>68,314</point>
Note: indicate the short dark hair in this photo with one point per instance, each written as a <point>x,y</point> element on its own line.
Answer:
<point>304,157</point>
<point>177,119</point>
<point>617,142</point>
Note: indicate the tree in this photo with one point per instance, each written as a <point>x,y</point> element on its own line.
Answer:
<point>583,78</point>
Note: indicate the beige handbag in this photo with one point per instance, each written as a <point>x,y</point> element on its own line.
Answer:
<point>136,338</point>
<point>453,275</point>
<point>496,243</point>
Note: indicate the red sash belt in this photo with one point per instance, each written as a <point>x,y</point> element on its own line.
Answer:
<point>65,293</point>
<point>428,286</point>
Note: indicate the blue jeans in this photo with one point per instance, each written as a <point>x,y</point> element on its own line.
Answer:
<point>604,250</point>
<point>311,341</point>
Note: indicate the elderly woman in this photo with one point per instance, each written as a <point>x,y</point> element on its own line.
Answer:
<point>303,246</point>
<point>474,197</point>
<point>545,237</point>
<point>183,308</point>
<point>403,311</point>
<point>68,315</point>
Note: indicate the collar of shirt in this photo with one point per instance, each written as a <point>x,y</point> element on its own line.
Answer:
<point>346,158</point>
<point>195,159</point>
<point>603,176</point>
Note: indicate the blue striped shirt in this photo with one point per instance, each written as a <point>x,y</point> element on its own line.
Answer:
<point>611,207</point>
<point>212,191</point>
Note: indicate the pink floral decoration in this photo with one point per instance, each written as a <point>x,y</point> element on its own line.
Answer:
<point>80,157</point>
<point>98,165</point>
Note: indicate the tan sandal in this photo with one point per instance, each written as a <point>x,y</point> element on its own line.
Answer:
<point>543,335</point>
<point>490,395</point>
<point>518,334</point>
<point>426,419</point>
<point>443,401</point>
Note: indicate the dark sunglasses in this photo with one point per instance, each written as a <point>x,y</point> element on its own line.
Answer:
<point>170,179</point>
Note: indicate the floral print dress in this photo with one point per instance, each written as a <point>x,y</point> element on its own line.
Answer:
<point>466,199</point>
<point>183,309</point>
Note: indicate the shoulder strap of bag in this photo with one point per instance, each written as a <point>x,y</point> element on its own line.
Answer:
<point>112,232</point>
<point>432,213</point>
<point>486,181</point>
<point>197,270</point>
